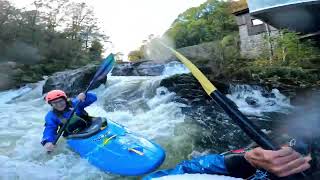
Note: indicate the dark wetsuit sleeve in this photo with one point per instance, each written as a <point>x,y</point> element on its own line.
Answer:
<point>238,166</point>
<point>209,164</point>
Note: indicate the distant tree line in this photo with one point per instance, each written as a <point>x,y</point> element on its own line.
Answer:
<point>293,59</point>
<point>48,36</point>
<point>211,21</point>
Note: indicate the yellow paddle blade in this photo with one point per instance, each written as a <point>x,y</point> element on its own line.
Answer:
<point>205,83</point>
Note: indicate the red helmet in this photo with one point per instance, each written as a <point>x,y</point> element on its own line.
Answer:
<point>55,94</point>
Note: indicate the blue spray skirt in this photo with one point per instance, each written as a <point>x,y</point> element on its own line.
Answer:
<point>116,150</point>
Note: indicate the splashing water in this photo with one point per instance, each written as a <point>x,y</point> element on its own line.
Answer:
<point>135,102</point>
<point>263,101</point>
<point>157,52</point>
<point>173,68</point>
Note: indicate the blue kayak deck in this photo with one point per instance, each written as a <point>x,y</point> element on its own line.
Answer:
<point>115,149</point>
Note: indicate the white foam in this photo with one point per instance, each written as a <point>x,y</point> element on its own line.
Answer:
<point>149,111</point>
<point>135,102</point>
<point>278,103</point>
<point>173,68</point>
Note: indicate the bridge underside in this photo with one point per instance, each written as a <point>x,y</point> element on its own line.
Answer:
<point>301,17</point>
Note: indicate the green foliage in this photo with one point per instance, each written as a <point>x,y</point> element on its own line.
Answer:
<point>95,50</point>
<point>239,5</point>
<point>54,35</point>
<point>289,75</point>
<point>210,21</point>
<point>288,50</point>
<point>136,55</point>
<point>294,61</point>
<point>231,47</point>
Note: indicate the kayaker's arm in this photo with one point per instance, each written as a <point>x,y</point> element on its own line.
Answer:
<point>237,166</point>
<point>282,163</point>
<point>50,130</point>
<point>234,165</point>
<point>90,98</point>
<point>209,164</point>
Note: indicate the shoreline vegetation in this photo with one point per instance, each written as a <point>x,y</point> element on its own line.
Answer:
<point>63,35</point>
<point>50,36</point>
<point>211,27</point>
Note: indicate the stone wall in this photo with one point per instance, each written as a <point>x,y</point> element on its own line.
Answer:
<point>252,36</point>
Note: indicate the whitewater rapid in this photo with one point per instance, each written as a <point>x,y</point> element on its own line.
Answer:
<point>135,102</point>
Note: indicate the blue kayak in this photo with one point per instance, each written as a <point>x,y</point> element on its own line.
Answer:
<point>114,149</point>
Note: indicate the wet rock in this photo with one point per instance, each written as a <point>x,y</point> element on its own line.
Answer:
<point>142,68</point>
<point>267,94</point>
<point>73,81</point>
<point>217,132</point>
<point>186,86</point>
<point>270,102</point>
<point>252,101</point>
<point>150,69</point>
<point>124,69</point>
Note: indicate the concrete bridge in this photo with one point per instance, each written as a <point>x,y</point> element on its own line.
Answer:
<point>297,15</point>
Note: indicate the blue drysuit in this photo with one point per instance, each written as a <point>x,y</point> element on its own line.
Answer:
<point>52,122</point>
<point>233,165</point>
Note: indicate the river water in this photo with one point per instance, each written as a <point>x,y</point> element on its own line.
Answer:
<point>136,102</point>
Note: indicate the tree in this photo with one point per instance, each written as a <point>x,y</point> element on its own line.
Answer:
<point>210,21</point>
<point>238,5</point>
<point>82,25</point>
<point>135,55</point>
<point>47,38</point>
<point>5,12</point>
<point>95,50</point>
<point>55,12</point>
<point>290,50</point>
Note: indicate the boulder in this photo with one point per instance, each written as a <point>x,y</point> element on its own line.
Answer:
<point>142,68</point>
<point>73,81</point>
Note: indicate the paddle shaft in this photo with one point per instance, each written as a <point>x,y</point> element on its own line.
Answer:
<point>102,71</point>
<point>245,124</point>
<point>242,121</point>
<point>249,128</point>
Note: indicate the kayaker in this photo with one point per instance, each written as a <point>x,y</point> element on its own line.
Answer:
<point>244,164</point>
<point>61,109</point>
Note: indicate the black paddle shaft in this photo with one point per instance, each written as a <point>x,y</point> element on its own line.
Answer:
<point>245,124</point>
<point>249,128</point>
<point>61,130</point>
<point>101,72</point>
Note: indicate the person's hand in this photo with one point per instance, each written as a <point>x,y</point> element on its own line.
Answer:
<point>82,97</point>
<point>281,163</point>
<point>49,146</point>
